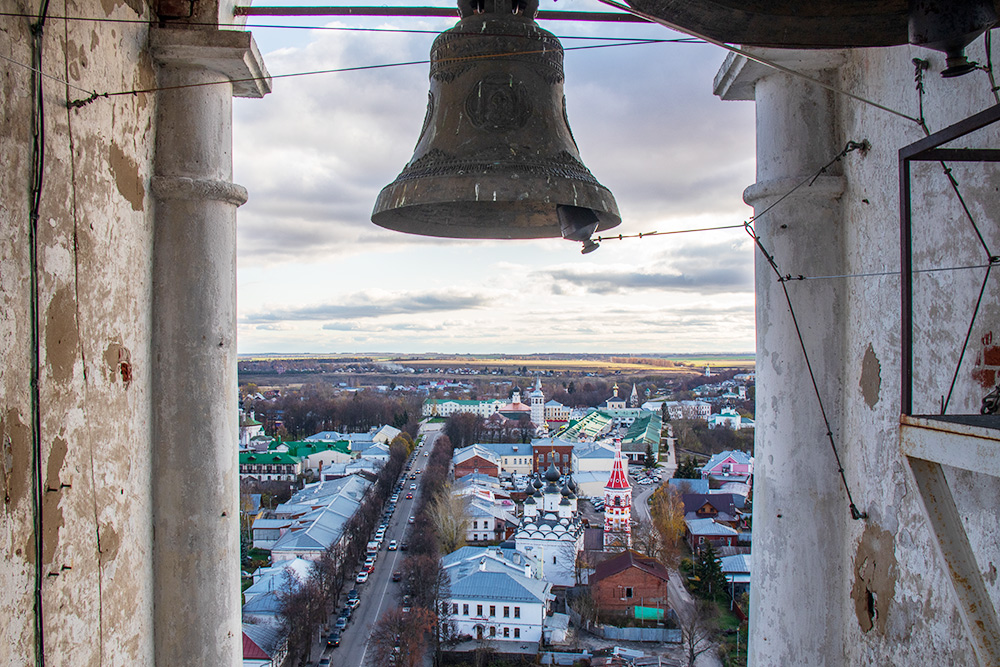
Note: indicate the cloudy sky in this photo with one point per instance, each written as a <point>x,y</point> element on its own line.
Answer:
<point>315,275</point>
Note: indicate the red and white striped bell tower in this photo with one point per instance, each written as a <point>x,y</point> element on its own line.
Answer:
<point>617,506</point>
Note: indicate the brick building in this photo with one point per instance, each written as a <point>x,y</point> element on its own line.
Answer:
<point>552,451</point>
<point>476,459</point>
<point>628,580</point>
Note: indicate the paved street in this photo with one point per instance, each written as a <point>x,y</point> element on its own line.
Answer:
<point>380,593</point>
<point>679,597</point>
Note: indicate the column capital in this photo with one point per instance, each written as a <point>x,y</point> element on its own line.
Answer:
<point>231,53</point>
<point>738,75</point>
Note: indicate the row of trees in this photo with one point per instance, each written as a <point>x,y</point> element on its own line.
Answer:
<point>304,606</point>
<point>405,634</point>
<point>694,435</point>
<point>466,428</point>
<point>316,407</point>
<point>660,536</point>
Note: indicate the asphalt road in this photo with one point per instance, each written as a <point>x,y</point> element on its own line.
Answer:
<point>380,593</point>
<point>678,596</point>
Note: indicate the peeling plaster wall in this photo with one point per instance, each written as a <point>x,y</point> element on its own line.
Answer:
<point>94,259</point>
<point>874,591</point>
<point>899,607</point>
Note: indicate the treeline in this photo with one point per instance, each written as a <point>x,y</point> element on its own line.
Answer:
<point>644,361</point>
<point>303,364</point>
<point>589,393</point>
<point>694,435</point>
<point>314,408</point>
<point>465,428</point>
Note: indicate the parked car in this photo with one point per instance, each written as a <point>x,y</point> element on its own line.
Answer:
<point>353,604</point>
<point>324,662</point>
<point>353,594</point>
<point>404,546</point>
<point>341,623</point>
<point>362,577</point>
<point>410,520</point>
<point>407,603</point>
<point>333,640</point>
<point>345,613</point>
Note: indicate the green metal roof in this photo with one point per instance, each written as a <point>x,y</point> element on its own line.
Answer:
<point>267,458</point>
<point>590,426</point>
<point>645,429</point>
<point>301,449</point>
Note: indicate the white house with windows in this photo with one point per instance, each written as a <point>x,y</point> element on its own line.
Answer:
<point>681,409</point>
<point>434,407</point>
<point>556,412</point>
<point>493,595</point>
<point>729,418</point>
<point>489,521</point>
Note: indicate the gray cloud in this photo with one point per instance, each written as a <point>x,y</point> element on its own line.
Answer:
<point>365,305</point>
<point>315,154</point>
<point>605,282</point>
<point>711,269</point>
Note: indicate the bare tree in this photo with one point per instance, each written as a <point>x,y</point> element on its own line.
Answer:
<point>301,608</point>
<point>485,651</point>
<point>464,428</point>
<point>401,634</point>
<point>584,605</point>
<point>667,511</point>
<point>698,630</point>
<point>444,627</point>
<point>646,539</point>
<point>449,513</point>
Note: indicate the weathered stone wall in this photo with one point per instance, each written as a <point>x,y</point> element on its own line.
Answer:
<point>94,263</point>
<point>890,559</point>
<point>828,589</point>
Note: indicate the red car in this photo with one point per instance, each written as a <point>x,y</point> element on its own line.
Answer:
<point>397,575</point>
<point>409,496</point>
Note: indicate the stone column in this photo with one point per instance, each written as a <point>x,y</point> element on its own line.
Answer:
<point>196,549</point>
<point>800,511</point>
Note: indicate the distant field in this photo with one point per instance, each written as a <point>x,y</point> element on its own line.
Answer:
<point>558,363</point>
<point>584,364</point>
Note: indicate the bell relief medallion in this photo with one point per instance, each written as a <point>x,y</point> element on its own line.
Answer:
<point>498,102</point>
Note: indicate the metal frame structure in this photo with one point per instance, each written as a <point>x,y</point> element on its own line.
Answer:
<point>929,149</point>
<point>445,12</point>
<point>929,442</point>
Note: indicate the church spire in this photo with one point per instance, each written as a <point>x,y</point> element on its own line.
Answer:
<point>617,506</point>
<point>618,480</point>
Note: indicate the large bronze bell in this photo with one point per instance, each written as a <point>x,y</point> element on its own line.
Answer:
<point>496,158</point>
